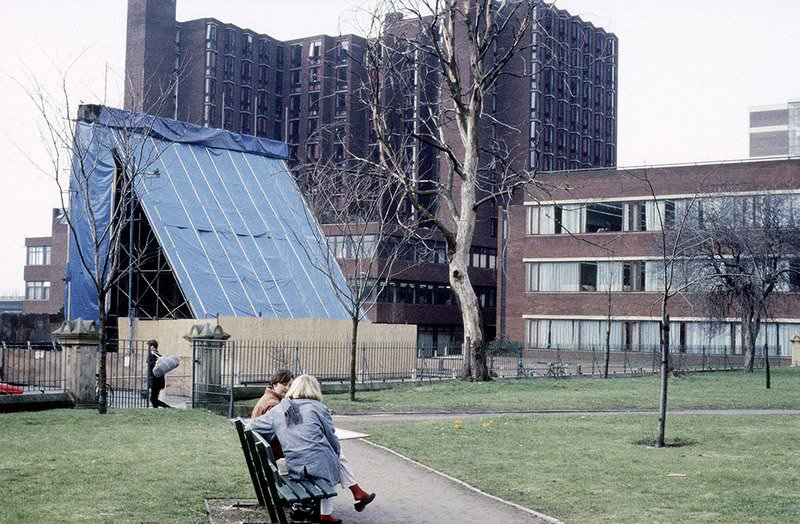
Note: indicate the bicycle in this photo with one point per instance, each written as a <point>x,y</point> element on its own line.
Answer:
<point>109,390</point>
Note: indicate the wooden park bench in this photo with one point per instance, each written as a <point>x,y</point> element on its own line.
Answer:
<point>274,491</point>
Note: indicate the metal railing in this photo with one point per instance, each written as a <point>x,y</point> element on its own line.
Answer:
<point>35,367</point>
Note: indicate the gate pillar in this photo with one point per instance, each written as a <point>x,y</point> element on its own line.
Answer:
<point>79,339</point>
<point>207,348</point>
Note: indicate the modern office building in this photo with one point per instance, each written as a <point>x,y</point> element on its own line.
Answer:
<point>45,265</point>
<point>588,250</point>
<point>775,130</point>
<point>554,109</point>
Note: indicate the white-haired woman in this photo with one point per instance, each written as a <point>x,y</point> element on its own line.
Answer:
<point>304,427</point>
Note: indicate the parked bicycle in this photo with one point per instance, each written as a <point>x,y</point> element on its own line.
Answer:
<point>109,389</point>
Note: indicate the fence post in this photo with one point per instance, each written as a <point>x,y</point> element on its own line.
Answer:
<point>207,347</point>
<point>363,362</point>
<point>79,339</point>
<point>230,386</point>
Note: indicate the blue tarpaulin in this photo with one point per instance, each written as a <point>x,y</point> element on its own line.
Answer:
<point>226,212</point>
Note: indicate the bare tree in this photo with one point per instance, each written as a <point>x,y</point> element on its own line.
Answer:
<point>747,243</point>
<point>363,234</point>
<point>431,64</point>
<point>98,222</point>
<point>674,243</point>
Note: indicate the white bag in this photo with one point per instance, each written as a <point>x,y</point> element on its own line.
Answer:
<point>165,364</point>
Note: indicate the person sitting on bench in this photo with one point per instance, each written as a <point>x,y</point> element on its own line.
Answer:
<point>305,434</point>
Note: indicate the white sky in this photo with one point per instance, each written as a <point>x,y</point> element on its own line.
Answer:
<point>688,71</point>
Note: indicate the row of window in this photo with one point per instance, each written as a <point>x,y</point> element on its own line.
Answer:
<point>655,215</point>
<point>367,246</point>
<point>615,276</point>
<point>37,290</point>
<point>689,336</point>
<point>422,293</point>
<point>246,48</point>
<point>38,256</point>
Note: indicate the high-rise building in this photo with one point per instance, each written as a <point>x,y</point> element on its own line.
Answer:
<point>775,130</point>
<point>555,108</point>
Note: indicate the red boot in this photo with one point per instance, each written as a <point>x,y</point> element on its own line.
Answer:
<point>329,519</point>
<point>361,497</point>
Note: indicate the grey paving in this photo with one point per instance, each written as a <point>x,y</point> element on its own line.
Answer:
<point>409,493</point>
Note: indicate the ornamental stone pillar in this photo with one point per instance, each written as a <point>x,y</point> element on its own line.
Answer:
<point>796,351</point>
<point>209,356</point>
<point>79,339</point>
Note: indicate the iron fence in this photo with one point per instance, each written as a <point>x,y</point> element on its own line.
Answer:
<point>126,374</point>
<point>35,367</point>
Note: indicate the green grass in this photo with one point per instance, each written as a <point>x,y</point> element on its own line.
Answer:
<point>128,466</point>
<point>158,465</point>
<point>590,468</point>
<point>719,390</point>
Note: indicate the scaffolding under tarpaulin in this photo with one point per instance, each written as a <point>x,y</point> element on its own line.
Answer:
<point>228,218</point>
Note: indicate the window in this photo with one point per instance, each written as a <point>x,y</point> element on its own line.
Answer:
<point>244,99</point>
<point>247,46</point>
<point>279,56</point>
<point>211,63</point>
<point>227,94</point>
<point>313,127</point>
<point>294,106</point>
<point>211,36</point>
<point>210,91</point>
<point>263,75</point>
<point>314,51</point>
<point>342,52</point>
<point>209,115</point>
<point>263,50</point>
<point>261,126</point>
<point>294,78</point>
<point>37,290</point>
<point>262,102</point>
<point>588,272</point>
<point>228,69</point>
<point>297,55</point>
<point>230,41</point>
<point>38,256</point>
<point>604,216</point>
<point>244,127</point>
<point>341,79</point>
<point>313,103</point>
<point>313,78</point>
<point>247,72</point>
<point>341,104</point>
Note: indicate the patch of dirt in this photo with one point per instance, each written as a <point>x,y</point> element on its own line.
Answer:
<point>236,511</point>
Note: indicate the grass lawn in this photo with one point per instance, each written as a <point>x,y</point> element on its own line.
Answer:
<point>723,390</point>
<point>158,465</point>
<point>131,465</point>
<point>590,468</point>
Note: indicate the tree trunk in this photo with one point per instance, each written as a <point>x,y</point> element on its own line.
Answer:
<point>102,374</point>
<point>608,350</point>
<point>662,402</point>
<point>353,353</point>
<point>766,363</point>
<point>749,337</point>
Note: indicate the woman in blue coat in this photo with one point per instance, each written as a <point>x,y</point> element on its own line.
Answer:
<point>304,427</point>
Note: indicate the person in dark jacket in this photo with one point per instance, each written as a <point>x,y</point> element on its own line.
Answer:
<point>156,384</point>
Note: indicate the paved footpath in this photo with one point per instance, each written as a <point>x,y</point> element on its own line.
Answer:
<point>410,493</point>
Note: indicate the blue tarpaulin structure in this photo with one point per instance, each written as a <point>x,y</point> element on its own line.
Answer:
<point>224,208</point>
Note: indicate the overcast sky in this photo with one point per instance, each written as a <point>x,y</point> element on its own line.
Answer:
<point>688,72</point>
